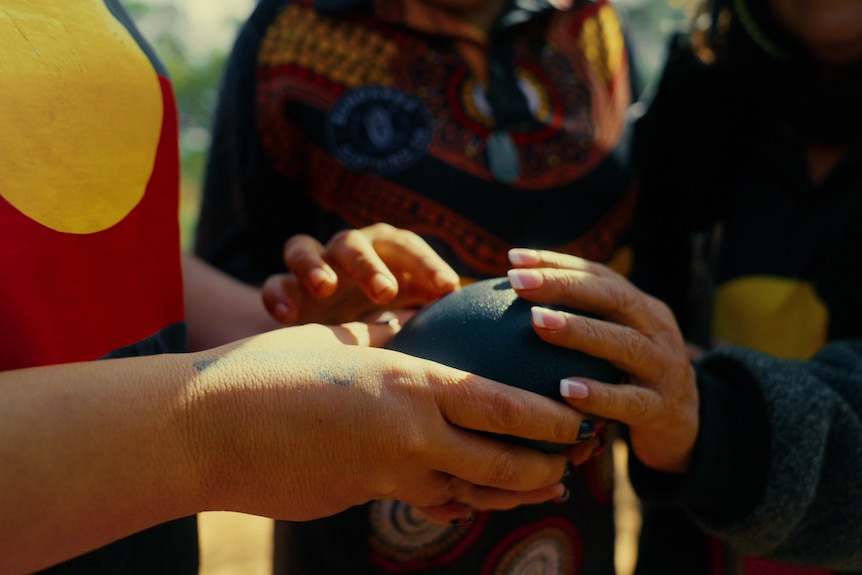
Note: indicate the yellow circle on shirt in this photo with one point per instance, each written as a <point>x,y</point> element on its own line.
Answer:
<point>80,114</point>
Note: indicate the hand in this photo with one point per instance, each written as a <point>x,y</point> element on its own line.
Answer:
<point>358,272</point>
<point>499,500</point>
<point>639,335</point>
<point>295,425</point>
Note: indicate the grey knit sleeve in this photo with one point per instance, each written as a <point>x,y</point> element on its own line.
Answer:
<point>810,507</point>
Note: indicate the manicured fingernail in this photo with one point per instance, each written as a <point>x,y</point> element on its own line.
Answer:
<point>573,388</point>
<point>523,257</point>
<point>587,430</point>
<point>460,522</point>
<point>524,279</point>
<point>570,468</point>
<point>564,497</point>
<point>548,318</point>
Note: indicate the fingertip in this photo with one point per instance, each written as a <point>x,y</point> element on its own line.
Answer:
<point>322,281</point>
<point>383,288</point>
<point>573,388</point>
<point>446,281</point>
<point>523,257</point>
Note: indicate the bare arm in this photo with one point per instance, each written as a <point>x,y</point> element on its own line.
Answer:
<point>219,308</point>
<point>290,424</point>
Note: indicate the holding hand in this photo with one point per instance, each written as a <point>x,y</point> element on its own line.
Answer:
<point>638,334</point>
<point>326,426</point>
<point>358,272</point>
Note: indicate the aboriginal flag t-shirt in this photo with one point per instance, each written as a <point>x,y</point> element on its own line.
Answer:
<point>89,235</point>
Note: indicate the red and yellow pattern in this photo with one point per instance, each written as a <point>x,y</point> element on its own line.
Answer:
<point>88,170</point>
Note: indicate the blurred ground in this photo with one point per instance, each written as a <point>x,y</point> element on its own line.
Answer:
<point>236,544</point>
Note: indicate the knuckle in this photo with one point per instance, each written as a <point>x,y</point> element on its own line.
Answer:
<point>636,405</point>
<point>379,229</point>
<point>503,469</point>
<point>341,238</point>
<point>508,411</point>
<point>444,488</point>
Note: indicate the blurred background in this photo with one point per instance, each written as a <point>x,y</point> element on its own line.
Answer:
<point>193,39</point>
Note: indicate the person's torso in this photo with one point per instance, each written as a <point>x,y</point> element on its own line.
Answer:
<point>374,122</point>
<point>88,205</point>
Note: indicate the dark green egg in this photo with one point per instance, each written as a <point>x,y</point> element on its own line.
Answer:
<point>486,329</point>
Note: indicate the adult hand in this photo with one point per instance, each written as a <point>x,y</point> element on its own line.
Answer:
<point>356,273</point>
<point>638,334</point>
<point>454,512</point>
<point>299,426</point>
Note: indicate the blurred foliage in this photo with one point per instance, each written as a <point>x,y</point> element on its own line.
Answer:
<point>195,79</point>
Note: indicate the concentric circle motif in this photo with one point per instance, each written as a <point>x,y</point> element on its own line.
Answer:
<point>378,129</point>
<point>551,547</point>
<point>401,535</point>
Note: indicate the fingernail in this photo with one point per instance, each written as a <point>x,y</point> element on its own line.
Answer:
<point>587,430</point>
<point>548,318</point>
<point>446,281</point>
<point>523,256</point>
<point>463,522</point>
<point>319,276</point>
<point>573,388</point>
<point>601,447</point>
<point>281,310</point>
<point>524,279</point>
<point>381,283</point>
<point>570,468</point>
<point>564,497</point>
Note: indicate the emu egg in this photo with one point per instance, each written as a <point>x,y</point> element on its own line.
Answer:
<point>486,329</point>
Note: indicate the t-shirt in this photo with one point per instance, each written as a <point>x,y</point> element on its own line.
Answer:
<point>89,239</point>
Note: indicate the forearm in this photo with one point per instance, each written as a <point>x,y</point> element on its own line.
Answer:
<point>90,453</point>
<point>219,308</point>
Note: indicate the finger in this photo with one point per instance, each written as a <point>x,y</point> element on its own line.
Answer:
<point>527,258</point>
<point>303,256</point>
<point>662,439</point>
<point>353,333</point>
<point>631,404</point>
<point>282,298</point>
<point>352,253</point>
<point>367,334</point>
<point>415,263</point>
<point>580,453</point>
<point>645,356</point>
<point>452,513</point>
<point>603,293</point>
<point>488,498</point>
<point>475,402</point>
<point>479,404</point>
